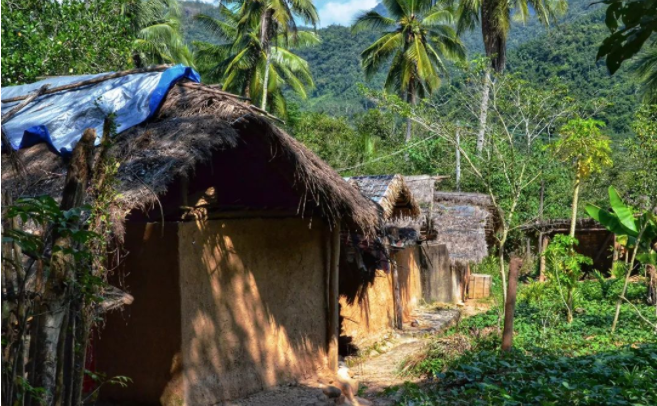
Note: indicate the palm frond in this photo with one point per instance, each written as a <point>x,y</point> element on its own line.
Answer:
<point>645,68</point>
<point>222,29</point>
<point>371,20</point>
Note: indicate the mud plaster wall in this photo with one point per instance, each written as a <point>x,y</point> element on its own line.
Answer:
<point>253,305</point>
<point>365,321</point>
<point>143,341</point>
<point>410,282</point>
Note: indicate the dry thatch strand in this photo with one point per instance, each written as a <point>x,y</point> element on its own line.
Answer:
<point>190,127</point>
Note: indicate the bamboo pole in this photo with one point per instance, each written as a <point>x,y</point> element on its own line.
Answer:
<point>333,300</point>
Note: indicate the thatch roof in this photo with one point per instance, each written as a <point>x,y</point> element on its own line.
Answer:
<point>194,123</point>
<point>388,191</point>
<point>464,222</point>
<point>422,188</point>
<point>563,225</point>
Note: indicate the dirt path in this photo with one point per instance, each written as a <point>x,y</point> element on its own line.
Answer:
<point>376,373</point>
<point>383,371</point>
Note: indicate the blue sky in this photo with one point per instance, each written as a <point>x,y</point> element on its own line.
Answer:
<point>340,12</point>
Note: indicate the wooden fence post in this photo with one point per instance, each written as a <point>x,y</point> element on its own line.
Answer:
<point>510,305</point>
<point>399,309</point>
<point>333,300</point>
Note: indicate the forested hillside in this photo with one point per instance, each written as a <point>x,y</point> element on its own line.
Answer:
<point>566,51</point>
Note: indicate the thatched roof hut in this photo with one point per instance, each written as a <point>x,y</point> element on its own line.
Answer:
<point>594,240</point>
<point>242,293</point>
<point>465,223</point>
<point>390,192</point>
<point>422,188</point>
<point>194,123</point>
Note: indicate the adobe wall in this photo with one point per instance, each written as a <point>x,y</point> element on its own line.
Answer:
<point>410,279</point>
<point>253,305</point>
<point>143,341</point>
<point>365,320</point>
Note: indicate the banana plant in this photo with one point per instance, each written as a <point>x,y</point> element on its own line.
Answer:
<point>638,227</point>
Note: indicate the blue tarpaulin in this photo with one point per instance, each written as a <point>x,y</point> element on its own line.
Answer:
<point>59,119</point>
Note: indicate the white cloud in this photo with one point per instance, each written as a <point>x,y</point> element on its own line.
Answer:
<point>342,13</point>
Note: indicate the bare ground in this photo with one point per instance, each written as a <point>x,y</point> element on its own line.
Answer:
<point>376,372</point>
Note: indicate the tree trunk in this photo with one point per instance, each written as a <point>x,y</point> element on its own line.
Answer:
<point>510,304</point>
<point>483,113</point>
<point>399,309</point>
<point>494,39</point>
<point>411,101</point>
<point>458,159</point>
<point>54,304</point>
<point>502,267</point>
<point>265,81</point>
<point>573,219</point>
<point>627,280</point>
<point>265,38</point>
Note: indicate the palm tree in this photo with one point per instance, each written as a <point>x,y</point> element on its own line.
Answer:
<point>273,17</point>
<point>418,37</point>
<point>158,33</point>
<point>494,17</point>
<point>645,68</point>
<point>242,64</point>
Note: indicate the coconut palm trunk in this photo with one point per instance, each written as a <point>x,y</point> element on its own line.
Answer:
<point>483,113</point>
<point>411,101</point>
<point>495,47</point>
<point>265,39</point>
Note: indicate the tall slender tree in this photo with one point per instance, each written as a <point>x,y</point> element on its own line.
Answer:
<point>273,17</point>
<point>418,36</point>
<point>494,17</point>
<point>583,145</point>
<point>241,62</point>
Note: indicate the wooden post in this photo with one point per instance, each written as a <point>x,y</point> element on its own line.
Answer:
<point>543,241</point>
<point>333,300</point>
<point>399,308</point>
<point>510,305</point>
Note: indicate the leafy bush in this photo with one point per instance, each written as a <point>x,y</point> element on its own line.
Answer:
<point>553,362</point>
<point>565,268</point>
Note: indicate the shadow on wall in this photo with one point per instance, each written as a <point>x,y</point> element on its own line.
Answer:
<point>143,340</point>
<point>366,307</point>
<point>410,284</point>
<point>253,311</point>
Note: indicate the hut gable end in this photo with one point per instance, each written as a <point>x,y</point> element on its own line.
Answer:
<point>390,192</point>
